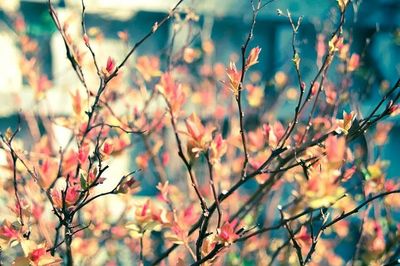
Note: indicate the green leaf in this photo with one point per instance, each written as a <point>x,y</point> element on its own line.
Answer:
<point>84,184</point>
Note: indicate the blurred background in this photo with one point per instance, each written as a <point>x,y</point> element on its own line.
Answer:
<point>375,31</point>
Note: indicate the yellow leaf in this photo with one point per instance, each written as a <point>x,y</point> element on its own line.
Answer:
<point>48,260</point>
<point>135,234</point>
<point>296,60</point>
<point>375,170</point>
<point>27,246</point>
<point>335,43</point>
<point>8,134</point>
<point>173,238</point>
<point>255,96</point>
<point>281,79</point>
<point>21,261</point>
<point>342,4</point>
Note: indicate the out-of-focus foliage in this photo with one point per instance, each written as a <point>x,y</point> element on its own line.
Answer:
<point>181,158</point>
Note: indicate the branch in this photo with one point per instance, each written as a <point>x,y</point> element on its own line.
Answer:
<point>8,141</point>
<point>292,238</point>
<point>238,97</point>
<point>355,210</point>
<point>155,27</point>
<point>186,161</point>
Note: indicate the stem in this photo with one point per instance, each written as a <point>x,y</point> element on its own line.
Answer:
<point>296,57</point>
<point>14,159</point>
<point>57,235</point>
<point>141,250</point>
<point>238,97</point>
<point>186,161</point>
<point>293,239</point>
<point>68,241</point>
<point>214,191</point>
<point>155,27</point>
<point>355,210</point>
